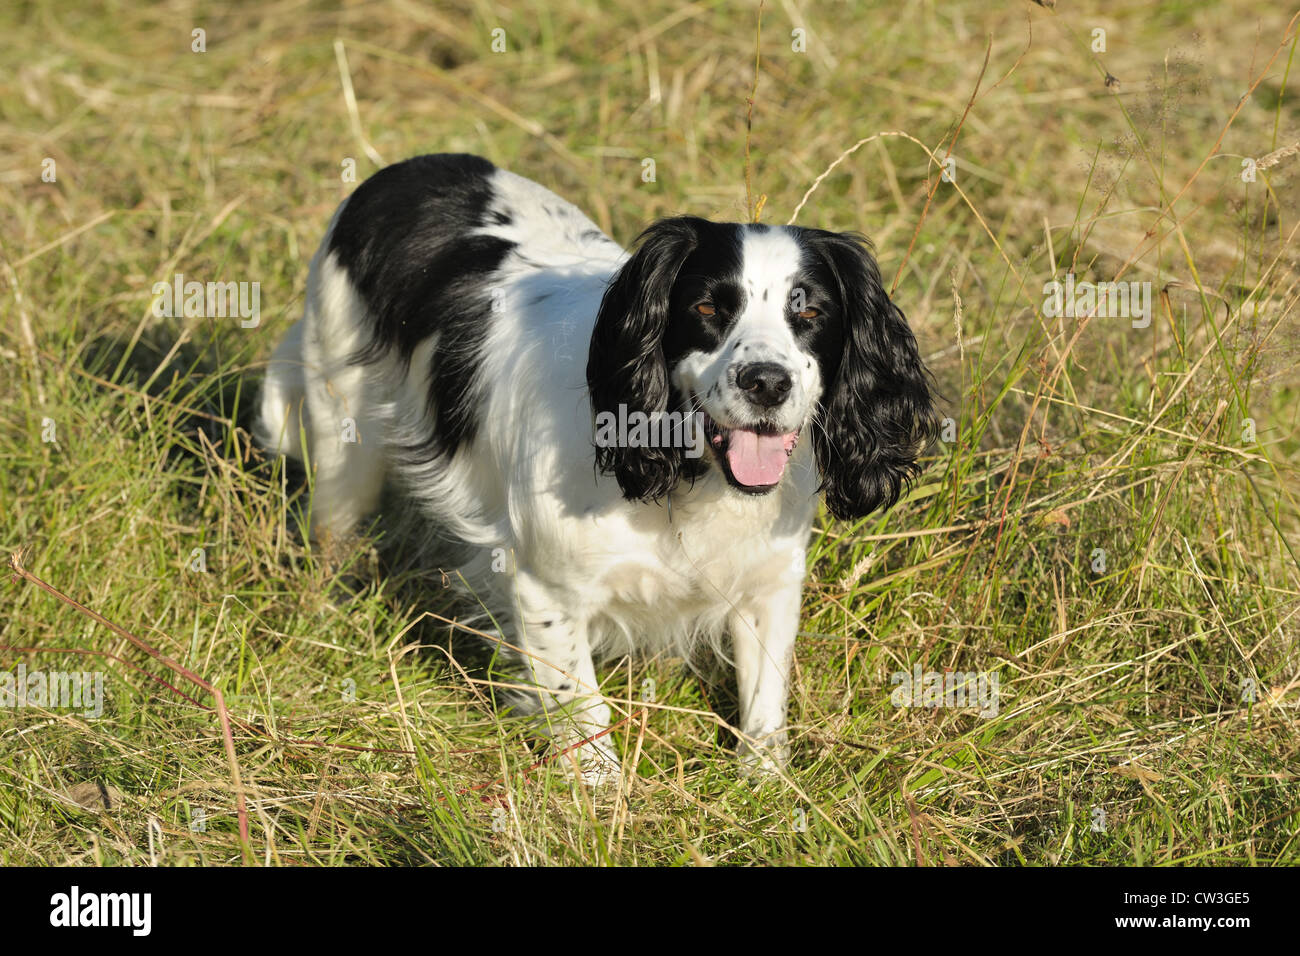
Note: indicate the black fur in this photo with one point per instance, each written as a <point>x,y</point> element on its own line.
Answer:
<point>877,414</point>
<point>404,240</point>
<point>627,364</point>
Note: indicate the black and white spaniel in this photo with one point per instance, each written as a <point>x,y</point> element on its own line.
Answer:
<point>626,450</point>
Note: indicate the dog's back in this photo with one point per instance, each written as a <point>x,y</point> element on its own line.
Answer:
<point>419,268</point>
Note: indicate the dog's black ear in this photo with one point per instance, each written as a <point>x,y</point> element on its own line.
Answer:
<point>877,414</point>
<point>626,365</point>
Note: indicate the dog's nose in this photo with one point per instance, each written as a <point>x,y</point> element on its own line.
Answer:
<point>764,383</point>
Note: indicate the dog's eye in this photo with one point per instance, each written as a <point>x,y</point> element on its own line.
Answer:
<point>809,314</point>
<point>706,308</point>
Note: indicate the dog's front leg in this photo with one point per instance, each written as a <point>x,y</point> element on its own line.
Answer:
<point>558,660</point>
<point>762,636</point>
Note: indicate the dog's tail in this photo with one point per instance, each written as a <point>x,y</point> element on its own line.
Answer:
<point>282,419</point>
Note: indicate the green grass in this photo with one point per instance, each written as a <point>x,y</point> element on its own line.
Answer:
<point>1121,686</point>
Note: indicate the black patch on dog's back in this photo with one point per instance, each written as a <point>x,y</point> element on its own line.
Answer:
<point>404,240</point>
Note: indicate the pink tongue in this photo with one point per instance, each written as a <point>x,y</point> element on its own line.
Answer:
<point>758,459</point>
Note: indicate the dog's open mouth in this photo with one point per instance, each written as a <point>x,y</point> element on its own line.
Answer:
<point>753,459</point>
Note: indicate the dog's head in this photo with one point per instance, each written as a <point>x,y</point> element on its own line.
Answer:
<point>774,335</point>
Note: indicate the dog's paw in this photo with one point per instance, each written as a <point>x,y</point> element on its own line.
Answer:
<point>594,763</point>
<point>763,757</point>
<point>598,766</point>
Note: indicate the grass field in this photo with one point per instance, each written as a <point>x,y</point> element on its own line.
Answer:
<point>1109,528</point>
